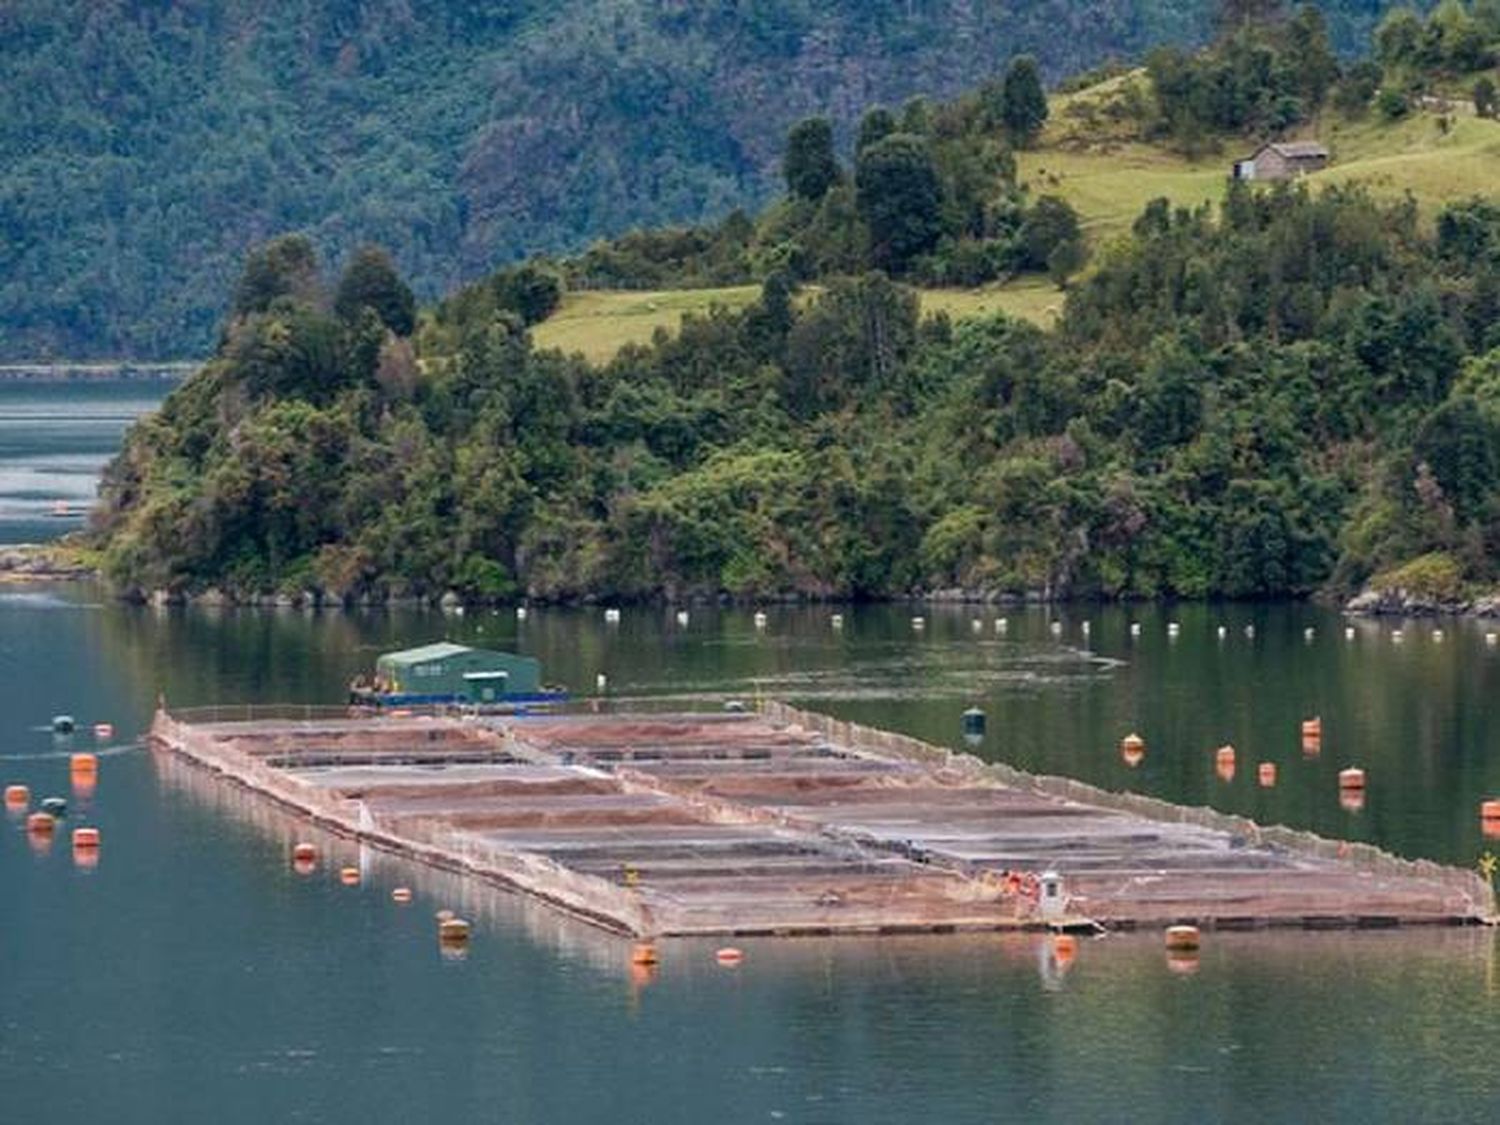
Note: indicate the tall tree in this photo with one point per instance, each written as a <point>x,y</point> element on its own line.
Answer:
<point>809,165</point>
<point>286,266</point>
<point>877,124</point>
<point>371,281</point>
<point>1311,56</point>
<point>900,199</point>
<point>1484,97</point>
<point>1023,102</point>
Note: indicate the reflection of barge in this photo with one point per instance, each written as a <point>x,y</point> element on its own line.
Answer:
<point>444,673</point>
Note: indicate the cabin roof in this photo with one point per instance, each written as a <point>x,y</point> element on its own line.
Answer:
<point>440,650</point>
<point>1293,150</point>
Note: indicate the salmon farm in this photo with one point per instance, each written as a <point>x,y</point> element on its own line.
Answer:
<point>784,822</point>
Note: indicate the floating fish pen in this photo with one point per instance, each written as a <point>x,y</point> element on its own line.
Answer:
<point>786,822</point>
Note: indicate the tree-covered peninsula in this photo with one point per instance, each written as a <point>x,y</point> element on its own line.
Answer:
<point>1293,389</point>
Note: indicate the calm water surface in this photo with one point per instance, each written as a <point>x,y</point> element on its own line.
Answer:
<point>191,977</point>
<point>54,438</point>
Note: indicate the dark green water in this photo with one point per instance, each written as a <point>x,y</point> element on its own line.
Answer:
<point>192,977</point>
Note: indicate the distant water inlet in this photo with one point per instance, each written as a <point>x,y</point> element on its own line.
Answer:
<point>790,823</point>
<point>55,437</point>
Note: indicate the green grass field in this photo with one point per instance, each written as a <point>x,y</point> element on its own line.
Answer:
<point>599,323</point>
<point>1109,179</point>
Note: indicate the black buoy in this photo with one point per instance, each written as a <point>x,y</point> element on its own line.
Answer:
<point>55,806</point>
<point>62,724</point>
<point>973,726</point>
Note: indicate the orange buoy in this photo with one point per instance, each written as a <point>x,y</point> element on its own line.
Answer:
<point>1183,938</point>
<point>1132,742</point>
<point>41,824</point>
<point>644,953</point>
<point>305,854</point>
<point>83,764</point>
<point>401,894</point>
<point>85,837</point>
<point>103,731</point>
<point>17,797</point>
<point>729,955</point>
<point>1224,763</point>
<point>1266,773</point>
<point>349,876</point>
<point>1352,778</point>
<point>1489,819</point>
<point>1312,728</point>
<point>453,931</point>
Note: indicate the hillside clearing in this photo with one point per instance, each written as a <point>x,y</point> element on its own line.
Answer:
<point>597,323</point>
<point>1108,179</point>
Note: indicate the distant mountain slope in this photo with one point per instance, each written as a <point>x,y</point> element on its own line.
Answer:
<point>144,143</point>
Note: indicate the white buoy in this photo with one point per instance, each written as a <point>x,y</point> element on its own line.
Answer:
<point>977,625</point>
<point>760,620</point>
<point>682,617</point>
<point>1056,628</point>
<point>1221,632</point>
<point>1348,632</point>
<point>1135,628</point>
<point>1173,629</point>
<point>1308,634</point>
<point>1002,624</point>
<point>601,681</point>
<point>1491,639</point>
<point>1397,636</point>
<point>837,620</point>
<point>611,616</point>
<point>1250,631</point>
<point>919,623</point>
<point>1437,635</point>
<point>520,613</point>
<point>1086,628</point>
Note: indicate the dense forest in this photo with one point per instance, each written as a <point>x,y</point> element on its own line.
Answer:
<point>145,144</point>
<point>1264,398</point>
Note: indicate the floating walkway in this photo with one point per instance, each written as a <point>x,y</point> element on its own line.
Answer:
<point>788,822</point>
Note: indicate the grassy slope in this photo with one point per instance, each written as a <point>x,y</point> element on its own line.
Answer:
<point>599,323</point>
<point>1109,180</point>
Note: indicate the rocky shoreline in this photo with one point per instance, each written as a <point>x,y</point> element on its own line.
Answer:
<point>36,562</point>
<point>40,562</point>
<point>1409,603</point>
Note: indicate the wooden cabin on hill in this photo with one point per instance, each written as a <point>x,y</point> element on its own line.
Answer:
<point>1282,160</point>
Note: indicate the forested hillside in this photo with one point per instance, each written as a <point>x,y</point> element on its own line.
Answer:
<point>144,145</point>
<point>1265,398</point>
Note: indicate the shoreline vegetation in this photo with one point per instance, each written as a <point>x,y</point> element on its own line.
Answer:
<point>1292,391</point>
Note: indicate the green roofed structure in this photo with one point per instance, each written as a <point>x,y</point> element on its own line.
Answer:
<point>450,673</point>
